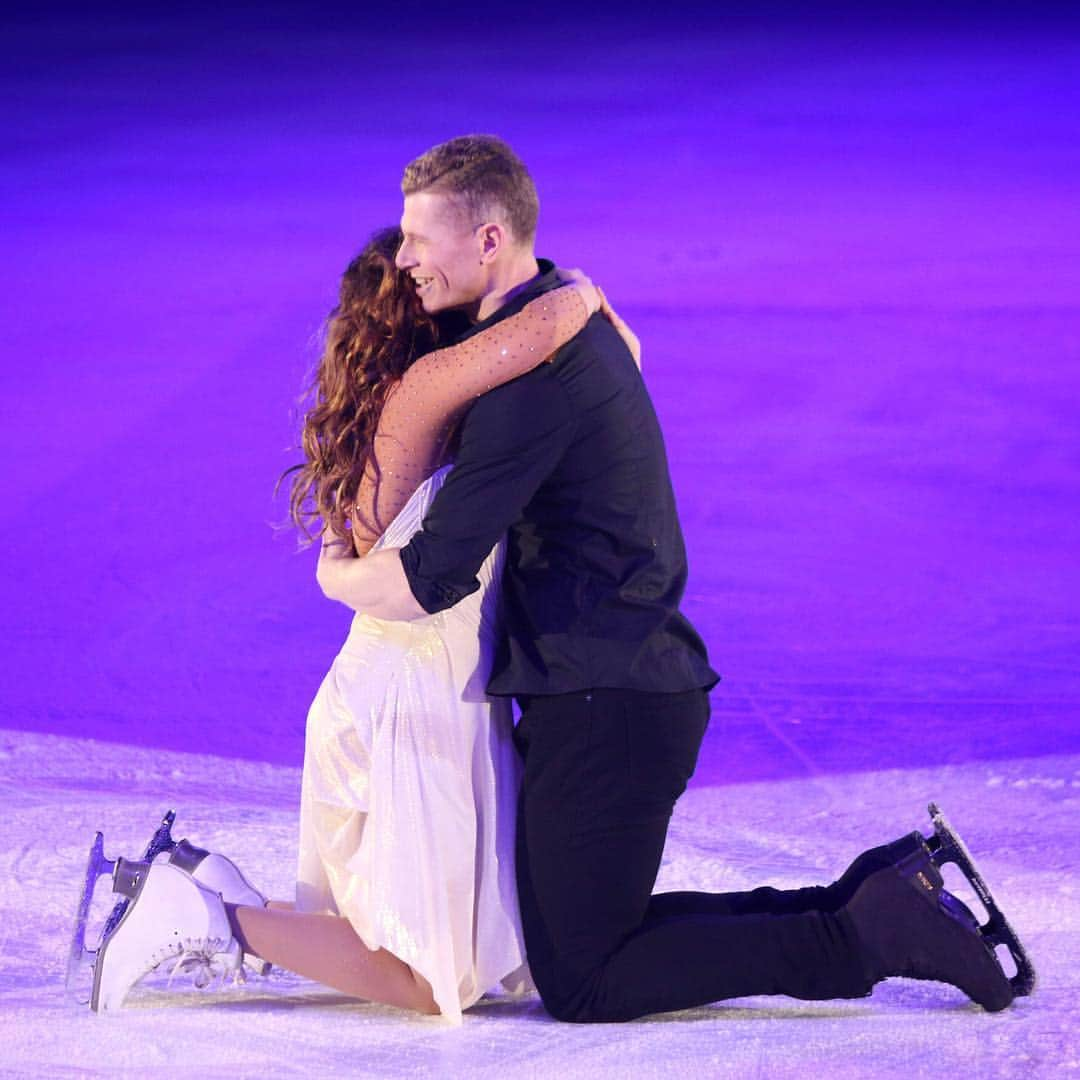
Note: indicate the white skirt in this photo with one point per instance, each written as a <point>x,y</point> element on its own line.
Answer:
<point>409,793</point>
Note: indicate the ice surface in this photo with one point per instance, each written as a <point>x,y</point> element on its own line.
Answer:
<point>1020,817</point>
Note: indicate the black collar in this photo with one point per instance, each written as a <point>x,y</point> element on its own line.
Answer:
<point>547,280</point>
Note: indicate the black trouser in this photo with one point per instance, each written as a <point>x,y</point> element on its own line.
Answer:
<point>603,770</point>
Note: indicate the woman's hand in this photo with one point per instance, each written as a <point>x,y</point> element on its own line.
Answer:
<point>581,281</point>
<point>595,300</point>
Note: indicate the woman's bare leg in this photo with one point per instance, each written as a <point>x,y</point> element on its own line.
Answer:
<point>326,948</point>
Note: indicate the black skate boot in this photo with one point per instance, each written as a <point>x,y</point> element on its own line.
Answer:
<point>911,926</point>
<point>837,895</point>
<point>947,847</point>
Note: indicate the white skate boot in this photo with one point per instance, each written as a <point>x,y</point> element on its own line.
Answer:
<point>170,915</point>
<point>222,875</point>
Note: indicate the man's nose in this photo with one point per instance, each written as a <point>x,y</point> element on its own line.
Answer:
<point>404,257</point>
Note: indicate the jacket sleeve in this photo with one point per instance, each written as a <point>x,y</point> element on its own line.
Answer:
<point>511,441</point>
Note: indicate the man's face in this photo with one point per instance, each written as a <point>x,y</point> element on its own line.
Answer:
<point>440,252</point>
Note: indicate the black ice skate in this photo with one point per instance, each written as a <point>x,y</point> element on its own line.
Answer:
<point>81,958</point>
<point>947,847</point>
<point>909,925</point>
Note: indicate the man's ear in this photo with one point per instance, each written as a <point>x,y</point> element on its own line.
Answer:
<point>492,239</point>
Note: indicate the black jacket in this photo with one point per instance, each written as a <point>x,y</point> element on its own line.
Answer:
<point>568,460</point>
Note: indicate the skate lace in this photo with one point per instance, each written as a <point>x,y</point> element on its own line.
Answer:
<point>206,961</point>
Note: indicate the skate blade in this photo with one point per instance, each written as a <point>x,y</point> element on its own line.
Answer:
<point>162,840</point>
<point>79,956</point>
<point>82,959</point>
<point>997,930</point>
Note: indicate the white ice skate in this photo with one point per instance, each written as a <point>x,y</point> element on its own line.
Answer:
<point>222,875</point>
<point>210,869</point>
<point>170,916</point>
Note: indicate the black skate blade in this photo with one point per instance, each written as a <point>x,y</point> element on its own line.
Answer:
<point>79,955</point>
<point>996,931</point>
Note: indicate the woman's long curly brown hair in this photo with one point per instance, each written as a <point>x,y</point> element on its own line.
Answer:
<point>377,329</point>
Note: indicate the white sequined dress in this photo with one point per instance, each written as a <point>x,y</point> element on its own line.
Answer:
<point>409,791</point>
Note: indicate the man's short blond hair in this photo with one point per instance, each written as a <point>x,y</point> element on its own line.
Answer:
<point>485,176</point>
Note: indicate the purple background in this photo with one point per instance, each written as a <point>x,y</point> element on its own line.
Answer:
<point>849,244</point>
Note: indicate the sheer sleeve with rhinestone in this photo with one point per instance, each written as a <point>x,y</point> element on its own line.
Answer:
<point>422,411</point>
